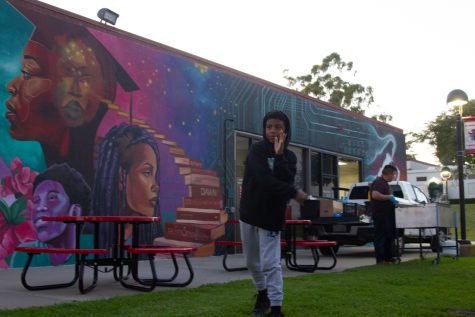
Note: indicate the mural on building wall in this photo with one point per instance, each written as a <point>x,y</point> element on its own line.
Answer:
<point>323,127</point>
<point>127,180</point>
<point>139,129</point>
<point>58,191</point>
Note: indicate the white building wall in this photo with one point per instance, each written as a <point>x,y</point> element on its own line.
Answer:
<point>421,174</point>
<point>418,165</point>
<point>469,188</point>
<point>422,178</point>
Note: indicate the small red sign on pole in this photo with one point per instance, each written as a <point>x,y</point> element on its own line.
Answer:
<point>469,134</point>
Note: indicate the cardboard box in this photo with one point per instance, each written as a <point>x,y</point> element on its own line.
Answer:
<point>314,209</point>
<point>328,207</point>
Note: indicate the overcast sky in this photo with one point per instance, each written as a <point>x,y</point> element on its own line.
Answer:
<point>413,53</point>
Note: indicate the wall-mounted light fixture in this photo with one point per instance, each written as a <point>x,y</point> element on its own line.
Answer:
<point>108,16</point>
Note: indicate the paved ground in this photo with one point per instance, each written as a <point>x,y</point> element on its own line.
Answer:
<point>207,270</point>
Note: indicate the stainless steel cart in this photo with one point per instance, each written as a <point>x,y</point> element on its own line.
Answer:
<point>435,216</point>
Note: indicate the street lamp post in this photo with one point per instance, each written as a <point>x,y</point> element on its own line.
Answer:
<point>459,98</point>
<point>445,174</point>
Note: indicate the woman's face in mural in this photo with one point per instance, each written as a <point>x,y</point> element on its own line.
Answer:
<point>31,113</point>
<point>81,86</point>
<point>142,188</point>
<point>49,199</point>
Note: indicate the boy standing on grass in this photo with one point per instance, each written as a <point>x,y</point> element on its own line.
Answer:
<point>267,187</point>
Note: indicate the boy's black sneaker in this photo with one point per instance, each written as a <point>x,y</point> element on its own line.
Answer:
<point>392,261</point>
<point>262,304</point>
<point>275,312</point>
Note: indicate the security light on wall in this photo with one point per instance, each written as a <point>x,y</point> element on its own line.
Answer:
<point>107,16</point>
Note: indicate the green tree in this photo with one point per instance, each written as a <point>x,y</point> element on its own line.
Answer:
<point>411,138</point>
<point>326,83</point>
<point>435,191</point>
<point>441,133</point>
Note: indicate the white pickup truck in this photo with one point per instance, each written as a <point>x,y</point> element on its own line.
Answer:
<point>359,230</point>
<point>406,193</point>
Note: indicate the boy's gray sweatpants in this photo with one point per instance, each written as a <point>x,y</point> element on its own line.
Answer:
<point>261,249</point>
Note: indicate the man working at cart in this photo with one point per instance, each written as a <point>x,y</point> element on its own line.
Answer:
<point>383,207</point>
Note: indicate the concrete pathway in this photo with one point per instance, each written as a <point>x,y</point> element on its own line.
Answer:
<point>207,270</point>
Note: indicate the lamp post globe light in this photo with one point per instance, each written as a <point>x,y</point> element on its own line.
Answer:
<point>445,174</point>
<point>459,98</point>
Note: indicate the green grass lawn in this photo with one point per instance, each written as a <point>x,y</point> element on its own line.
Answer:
<point>469,220</point>
<point>415,288</point>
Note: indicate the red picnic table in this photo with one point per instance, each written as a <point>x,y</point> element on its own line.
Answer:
<point>113,258</point>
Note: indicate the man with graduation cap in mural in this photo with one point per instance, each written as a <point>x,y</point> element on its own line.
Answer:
<point>79,78</point>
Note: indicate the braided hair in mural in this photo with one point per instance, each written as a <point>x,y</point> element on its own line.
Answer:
<point>127,180</point>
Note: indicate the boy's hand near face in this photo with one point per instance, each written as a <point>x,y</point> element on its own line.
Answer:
<point>279,142</point>
<point>300,196</point>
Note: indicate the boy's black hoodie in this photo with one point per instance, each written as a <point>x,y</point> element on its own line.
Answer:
<point>266,191</point>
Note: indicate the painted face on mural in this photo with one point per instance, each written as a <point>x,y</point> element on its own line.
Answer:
<point>142,187</point>
<point>31,113</point>
<point>81,86</point>
<point>50,199</point>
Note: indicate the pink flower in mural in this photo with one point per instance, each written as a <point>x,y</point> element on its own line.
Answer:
<point>12,235</point>
<point>14,228</point>
<point>21,181</point>
<point>15,224</point>
<point>5,190</point>
<point>5,239</point>
<point>3,228</point>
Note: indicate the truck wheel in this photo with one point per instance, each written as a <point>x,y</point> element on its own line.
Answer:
<point>327,251</point>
